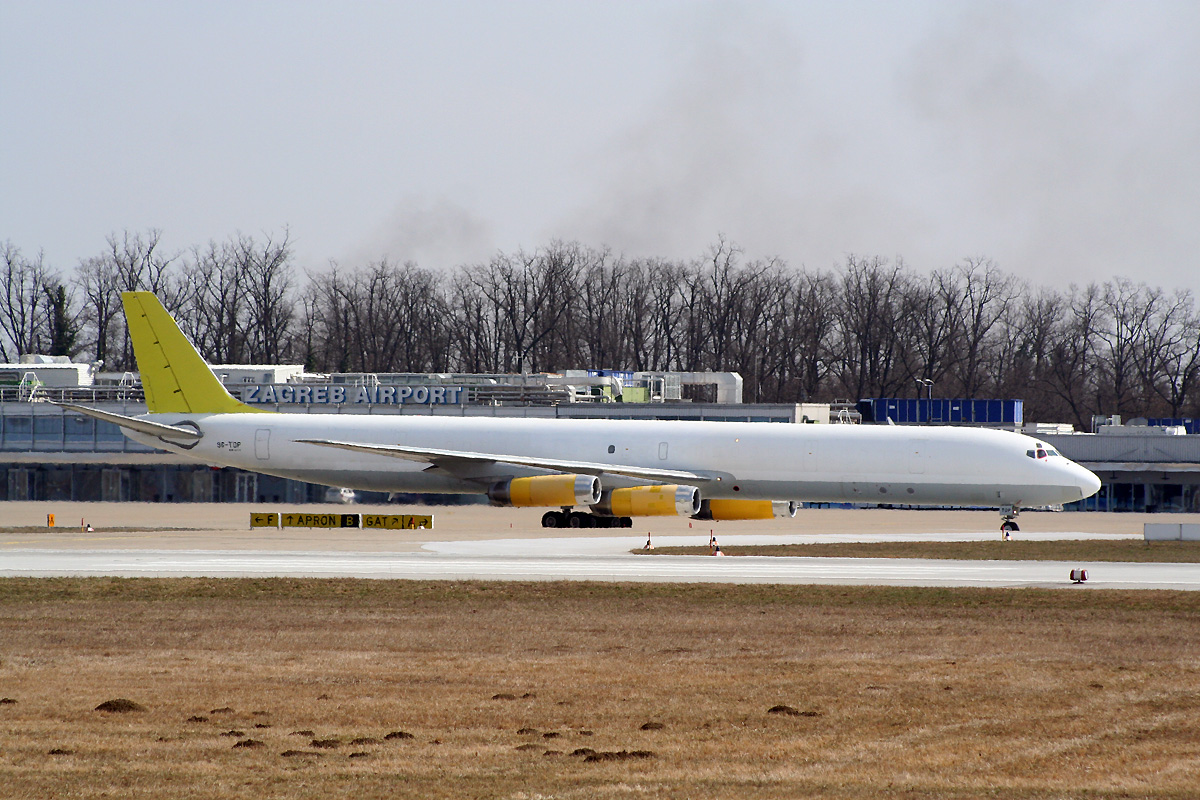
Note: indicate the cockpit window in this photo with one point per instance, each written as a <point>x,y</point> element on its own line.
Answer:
<point>1041,453</point>
<point>1031,453</point>
<point>1052,452</point>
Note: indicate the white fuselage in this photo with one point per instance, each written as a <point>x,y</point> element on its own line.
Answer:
<point>754,461</point>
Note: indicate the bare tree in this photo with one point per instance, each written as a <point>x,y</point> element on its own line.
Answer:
<point>268,275</point>
<point>25,308</point>
<point>1167,357</point>
<point>667,283</point>
<point>600,336</point>
<point>529,294</point>
<point>866,329</point>
<point>752,297</point>
<point>868,318</point>
<point>1125,310</point>
<point>807,335</point>
<point>1026,337</point>
<point>987,295</point>
<point>1071,364</point>
<point>476,339</point>
<point>381,318</point>
<point>932,308</point>
<point>214,302</point>
<point>130,262</point>
<point>328,324</point>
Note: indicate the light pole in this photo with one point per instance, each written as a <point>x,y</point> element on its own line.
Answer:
<point>928,384</point>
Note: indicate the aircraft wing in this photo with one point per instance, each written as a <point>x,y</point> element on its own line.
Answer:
<point>448,459</point>
<point>133,423</point>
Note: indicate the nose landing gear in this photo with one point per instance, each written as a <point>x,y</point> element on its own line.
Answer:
<point>1008,515</point>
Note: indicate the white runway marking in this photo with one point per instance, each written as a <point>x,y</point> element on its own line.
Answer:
<point>600,559</point>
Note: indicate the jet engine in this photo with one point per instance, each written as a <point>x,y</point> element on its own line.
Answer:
<point>720,509</point>
<point>546,490</point>
<point>649,501</point>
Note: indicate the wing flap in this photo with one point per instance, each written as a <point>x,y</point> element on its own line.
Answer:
<point>449,459</point>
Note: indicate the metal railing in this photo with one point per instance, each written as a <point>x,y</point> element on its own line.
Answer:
<point>91,395</point>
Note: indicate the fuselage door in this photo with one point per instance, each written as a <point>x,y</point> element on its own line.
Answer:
<point>262,443</point>
<point>662,451</point>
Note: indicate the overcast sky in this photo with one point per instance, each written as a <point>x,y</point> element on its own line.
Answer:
<point>1061,139</point>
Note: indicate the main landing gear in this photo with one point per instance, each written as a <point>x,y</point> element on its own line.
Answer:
<point>580,519</point>
<point>1007,516</point>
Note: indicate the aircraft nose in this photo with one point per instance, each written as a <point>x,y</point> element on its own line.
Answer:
<point>1088,483</point>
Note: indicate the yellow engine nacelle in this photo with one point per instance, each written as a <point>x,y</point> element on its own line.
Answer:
<point>544,491</point>
<point>650,501</point>
<point>720,509</point>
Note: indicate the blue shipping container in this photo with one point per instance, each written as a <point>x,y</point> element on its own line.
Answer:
<point>1190,424</point>
<point>923,411</point>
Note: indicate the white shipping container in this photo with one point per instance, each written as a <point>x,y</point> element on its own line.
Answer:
<point>1162,531</point>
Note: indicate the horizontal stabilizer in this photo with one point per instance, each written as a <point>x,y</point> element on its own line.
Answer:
<point>135,424</point>
<point>449,458</point>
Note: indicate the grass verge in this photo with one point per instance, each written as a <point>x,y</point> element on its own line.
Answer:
<point>471,689</point>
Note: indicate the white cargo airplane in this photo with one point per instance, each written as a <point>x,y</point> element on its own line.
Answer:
<point>615,469</point>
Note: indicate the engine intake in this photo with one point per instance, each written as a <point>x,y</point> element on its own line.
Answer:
<point>719,509</point>
<point>543,491</point>
<point>650,501</point>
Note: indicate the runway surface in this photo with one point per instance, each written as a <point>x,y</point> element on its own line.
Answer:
<point>602,558</point>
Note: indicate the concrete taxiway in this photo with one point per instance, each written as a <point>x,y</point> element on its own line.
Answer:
<point>599,559</point>
<point>506,544</point>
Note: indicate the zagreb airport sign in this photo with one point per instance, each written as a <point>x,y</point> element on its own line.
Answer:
<point>337,394</point>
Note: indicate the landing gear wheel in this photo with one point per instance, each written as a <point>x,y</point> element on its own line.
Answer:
<point>1008,516</point>
<point>553,519</point>
<point>626,522</point>
<point>578,519</point>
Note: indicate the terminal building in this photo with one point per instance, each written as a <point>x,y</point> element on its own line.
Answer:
<point>48,453</point>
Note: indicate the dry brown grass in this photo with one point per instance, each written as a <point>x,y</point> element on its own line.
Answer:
<point>900,692</point>
<point>1135,550</point>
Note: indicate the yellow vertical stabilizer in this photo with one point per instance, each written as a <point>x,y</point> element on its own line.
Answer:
<point>175,377</point>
